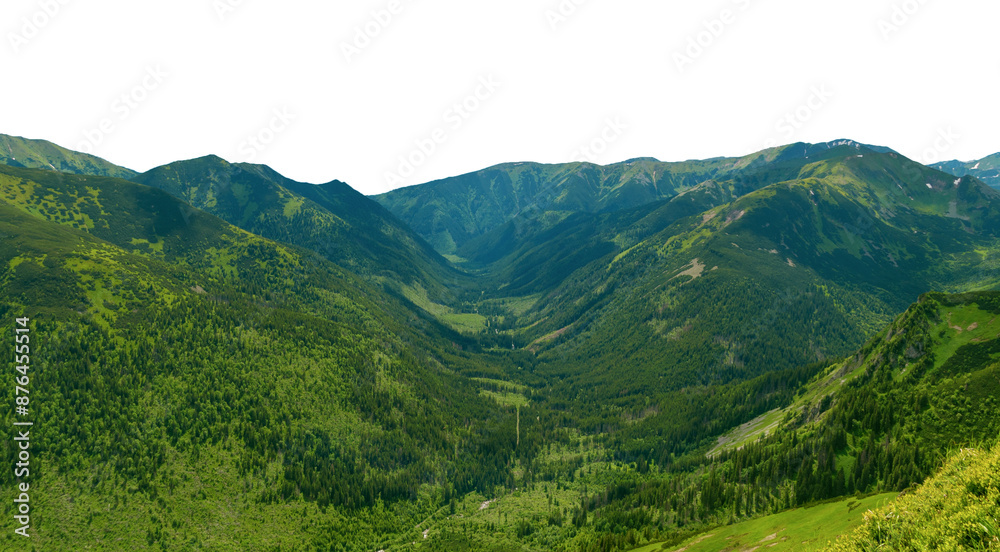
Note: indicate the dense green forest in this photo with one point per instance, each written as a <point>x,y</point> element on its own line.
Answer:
<point>225,359</point>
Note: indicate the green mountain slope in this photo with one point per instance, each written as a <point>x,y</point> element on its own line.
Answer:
<point>526,255</point>
<point>331,219</point>
<point>451,212</point>
<point>877,422</point>
<point>40,154</point>
<point>986,169</point>
<point>795,272</point>
<point>194,385</point>
<point>882,418</point>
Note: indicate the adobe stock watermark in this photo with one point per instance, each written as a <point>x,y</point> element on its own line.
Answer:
<point>699,42</point>
<point>795,119</point>
<point>944,139</point>
<point>122,107</point>
<point>257,142</point>
<point>366,33</point>
<point>591,152</point>
<point>224,8</point>
<point>562,12</point>
<point>454,118</point>
<point>30,26</point>
<point>900,15</point>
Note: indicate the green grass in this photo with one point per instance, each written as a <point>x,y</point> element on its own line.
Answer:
<point>749,432</point>
<point>798,530</point>
<point>958,509</point>
<point>502,384</point>
<point>41,154</point>
<point>463,322</point>
<point>507,399</point>
<point>962,325</point>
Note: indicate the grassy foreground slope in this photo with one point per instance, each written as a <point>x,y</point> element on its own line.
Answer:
<point>807,529</point>
<point>957,509</point>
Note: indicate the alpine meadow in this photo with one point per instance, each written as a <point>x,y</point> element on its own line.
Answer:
<point>794,350</point>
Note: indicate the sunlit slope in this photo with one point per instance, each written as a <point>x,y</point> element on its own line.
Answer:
<point>957,509</point>
<point>797,271</point>
<point>450,213</point>
<point>41,154</point>
<point>331,219</point>
<point>195,385</point>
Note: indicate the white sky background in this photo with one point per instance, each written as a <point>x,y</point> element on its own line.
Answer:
<point>929,90</point>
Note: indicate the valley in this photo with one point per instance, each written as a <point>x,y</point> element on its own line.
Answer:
<point>701,355</point>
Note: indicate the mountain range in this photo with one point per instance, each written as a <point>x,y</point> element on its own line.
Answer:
<point>528,357</point>
<point>986,169</point>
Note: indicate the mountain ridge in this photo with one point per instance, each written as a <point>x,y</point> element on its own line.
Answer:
<point>450,212</point>
<point>986,169</point>
<point>42,154</point>
<point>333,219</point>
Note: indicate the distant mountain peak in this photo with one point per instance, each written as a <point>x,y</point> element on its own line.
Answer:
<point>986,169</point>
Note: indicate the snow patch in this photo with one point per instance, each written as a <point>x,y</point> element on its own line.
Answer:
<point>958,181</point>
<point>930,187</point>
<point>976,167</point>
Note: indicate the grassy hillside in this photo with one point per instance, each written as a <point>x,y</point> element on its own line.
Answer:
<point>807,529</point>
<point>957,509</point>
<point>40,154</point>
